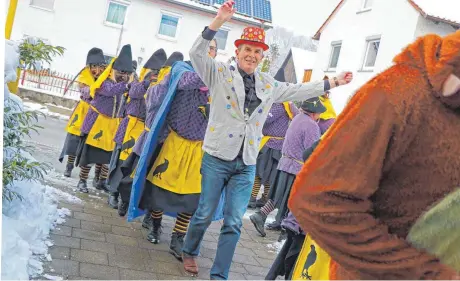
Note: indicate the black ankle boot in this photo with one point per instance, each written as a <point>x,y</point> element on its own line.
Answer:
<point>252,203</point>
<point>258,220</point>
<point>95,181</point>
<point>68,170</point>
<point>147,222</point>
<point>261,202</point>
<point>113,200</point>
<point>102,185</point>
<point>274,226</point>
<point>82,186</point>
<point>122,208</point>
<point>155,231</point>
<point>177,242</point>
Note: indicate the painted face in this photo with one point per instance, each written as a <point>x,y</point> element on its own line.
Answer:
<point>213,49</point>
<point>249,57</point>
<point>97,69</point>
<point>121,76</point>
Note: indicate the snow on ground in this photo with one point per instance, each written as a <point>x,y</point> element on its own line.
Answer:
<point>31,106</point>
<point>276,246</point>
<point>26,227</point>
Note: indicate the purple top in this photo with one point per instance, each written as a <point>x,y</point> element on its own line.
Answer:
<point>84,94</point>
<point>136,107</point>
<point>301,134</point>
<point>277,124</point>
<point>108,96</point>
<point>291,223</point>
<point>325,124</point>
<point>155,96</point>
<point>106,101</point>
<point>185,116</point>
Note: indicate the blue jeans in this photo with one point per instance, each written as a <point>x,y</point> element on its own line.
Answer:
<point>237,179</point>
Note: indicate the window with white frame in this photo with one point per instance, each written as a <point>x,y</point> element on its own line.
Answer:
<point>367,4</point>
<point>169,24</point>
<point>372,50</point>
<point>44,4</point>
<point>335,54</point>
<point>116,12</point>
<point>221,38</point>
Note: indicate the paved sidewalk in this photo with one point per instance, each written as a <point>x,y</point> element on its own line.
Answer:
<point>95,243</point>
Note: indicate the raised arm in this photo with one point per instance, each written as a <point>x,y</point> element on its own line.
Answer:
<point>207,68</point>
<point>302,91</point>
<point>110,89</point>
<point>331,195</point>
<point>138,89</point>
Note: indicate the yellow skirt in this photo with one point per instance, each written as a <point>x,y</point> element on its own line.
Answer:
<point>103,132</point>
<point>133,131</point>
<point>177,167</point>
<point>76,120</point>
<point>313,263</point>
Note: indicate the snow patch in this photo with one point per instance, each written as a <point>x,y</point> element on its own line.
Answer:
<point>31,106</point>
<point>276,247</point>
<point>26,227</point>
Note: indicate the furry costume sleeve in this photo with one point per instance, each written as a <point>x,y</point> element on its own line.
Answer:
<point>331,197</point>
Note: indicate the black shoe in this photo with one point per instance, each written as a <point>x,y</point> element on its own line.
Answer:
<point>95,181</point>
<point>122,208</point>
<point>68,170</point>
<point>147,222</point>
<point>261,202</point>
<point>82,186</point>
<point>252,203</point>
<point>177,242</point>
<point>101,185</point>
<point>258,219</point>
<point>274,226</point>
<point>113,200</point>
<point>155,231</point>
<point>283,235</point>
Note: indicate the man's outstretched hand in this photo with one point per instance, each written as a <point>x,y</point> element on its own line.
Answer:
<point>345,77</point>
<point>224,14</point>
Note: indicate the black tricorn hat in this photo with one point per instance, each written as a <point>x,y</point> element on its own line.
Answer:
<point>157,60</point>
<point>95,56</point>
<point>313,105</point>
<point>134,65</point>
<point>124,61</point>
<point>176,56</point>
<point>279,76</point>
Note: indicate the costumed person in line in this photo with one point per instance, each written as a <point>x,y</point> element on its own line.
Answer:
<point>95,65</point>
<point>132,124</point>
<point>274,131</point>
<point>136,78</point>
<point>383,169</point>
<point>173,183</point>
<point>101,122</point>
<point>153,102</point>
<point>241,98</point>
<point>300,135</point>
<point>327,118</point>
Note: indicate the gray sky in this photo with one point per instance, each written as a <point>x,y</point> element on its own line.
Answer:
<point>304,17</point>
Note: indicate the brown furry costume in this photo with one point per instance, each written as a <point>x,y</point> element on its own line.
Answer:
<point>391,155</point>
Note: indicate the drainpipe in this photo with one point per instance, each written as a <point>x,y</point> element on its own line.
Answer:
<point>12,86</point>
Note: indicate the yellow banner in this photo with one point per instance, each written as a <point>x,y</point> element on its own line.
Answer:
<point>103,132</point>
<point>177,167</point>
<point>76,120</point>
<point>133,131</point>
<point>313,262</point>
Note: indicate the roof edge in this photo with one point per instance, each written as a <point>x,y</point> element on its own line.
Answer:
<point>336,9</point>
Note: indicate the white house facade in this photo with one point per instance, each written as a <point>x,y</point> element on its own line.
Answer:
<point>145,24</point>
<point>364,36</point>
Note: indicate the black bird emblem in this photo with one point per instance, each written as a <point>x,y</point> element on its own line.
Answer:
<point>75,118</point>
<point>311,259</point>
<point>98,136</point>
<point>160,169</point>
<point>127,145</point>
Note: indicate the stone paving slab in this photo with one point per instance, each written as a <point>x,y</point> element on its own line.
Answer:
<point>95,243</point>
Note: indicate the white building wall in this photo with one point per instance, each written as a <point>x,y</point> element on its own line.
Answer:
<point>426,26</point>
<point>394,20</point>
<point>80,25</point>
